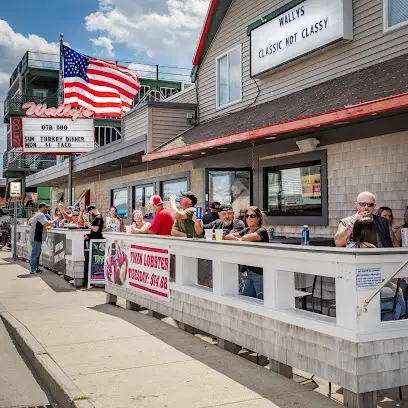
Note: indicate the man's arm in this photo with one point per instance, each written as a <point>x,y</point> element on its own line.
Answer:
<point>345,229</point>
<point>175,232</point>
<point>142,230</point>
<point>177,214</point>
<point>64,213</point>
<point>198,225</point>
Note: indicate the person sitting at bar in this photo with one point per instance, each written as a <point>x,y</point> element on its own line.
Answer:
<point>139,225</point>
<point>386,212</point>
<point>365,236</point>
<point>163,220</point>
<point>213,213</point>
<point>59,220</point>
<point>253,286</point>
<point>113,223</point>
<point>95,224</point>
<point>184,224</point>
<point>365,206</point>
<point>66,213</point>
<point>227,222</point>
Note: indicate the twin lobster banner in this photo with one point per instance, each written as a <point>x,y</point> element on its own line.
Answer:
<point>144,269</point>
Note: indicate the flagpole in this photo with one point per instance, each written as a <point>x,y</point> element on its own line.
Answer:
<point>61,101</point>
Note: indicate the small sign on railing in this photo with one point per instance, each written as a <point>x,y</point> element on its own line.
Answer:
<point>368,278</point>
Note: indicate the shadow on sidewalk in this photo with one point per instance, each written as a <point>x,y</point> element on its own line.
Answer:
<point>281,391</point>
<point>53,280</point>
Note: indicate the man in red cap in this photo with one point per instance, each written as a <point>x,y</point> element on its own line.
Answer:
<point>163,220</point>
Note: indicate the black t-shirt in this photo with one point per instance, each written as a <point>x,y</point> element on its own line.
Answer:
<point>97,222</point>
<point>263,233</point>
<point>210,217</point>
<point>236,226</point>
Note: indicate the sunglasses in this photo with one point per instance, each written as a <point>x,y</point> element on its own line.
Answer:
<point>366,204</point>
<point>251,216</point>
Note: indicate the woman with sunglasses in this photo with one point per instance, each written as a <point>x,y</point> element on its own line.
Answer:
<point>253,286</point>
<point>113,223</point>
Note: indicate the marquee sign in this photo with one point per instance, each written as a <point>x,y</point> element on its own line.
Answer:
<point>305,28</point>
<point>53,135</point>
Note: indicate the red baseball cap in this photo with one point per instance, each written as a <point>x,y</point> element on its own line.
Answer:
<point>156,200</point>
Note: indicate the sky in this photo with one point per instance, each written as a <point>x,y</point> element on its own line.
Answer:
<point>142,31</point>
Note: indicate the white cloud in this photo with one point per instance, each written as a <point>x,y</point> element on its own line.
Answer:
<point>12,49</point>
<point>156,27</point>
<point>105,43</point>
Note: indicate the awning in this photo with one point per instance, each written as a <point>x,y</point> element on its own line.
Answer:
<point>380,88</point>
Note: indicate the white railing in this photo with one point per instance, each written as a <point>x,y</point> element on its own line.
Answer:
<point>280,263</point>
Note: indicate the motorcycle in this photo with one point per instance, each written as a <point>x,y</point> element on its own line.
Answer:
<point>5,234</point>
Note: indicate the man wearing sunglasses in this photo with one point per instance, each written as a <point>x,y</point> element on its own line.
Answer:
<point>365,206</point>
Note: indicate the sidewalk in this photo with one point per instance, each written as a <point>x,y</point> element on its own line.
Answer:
<point>120,359</point>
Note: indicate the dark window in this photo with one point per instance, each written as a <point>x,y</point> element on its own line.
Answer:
<point>230,187</point>
<point>294,190</point>
<point>173,187</point>
<point>141,199</point>
<point>120,201</point>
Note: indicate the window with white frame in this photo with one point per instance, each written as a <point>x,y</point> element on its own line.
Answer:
<point>229,78</point>
<point>395,13</point>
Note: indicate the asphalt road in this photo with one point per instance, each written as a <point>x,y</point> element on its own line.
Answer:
<point>18,387</point>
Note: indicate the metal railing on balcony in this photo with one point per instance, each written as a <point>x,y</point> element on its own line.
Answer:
<point>33,59</point>
<point>16,160</point>
<point>15,104</point>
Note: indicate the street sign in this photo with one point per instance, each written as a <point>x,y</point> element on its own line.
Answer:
<point>15,188</point>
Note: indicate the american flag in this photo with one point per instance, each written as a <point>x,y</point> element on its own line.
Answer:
<point>105,88</point>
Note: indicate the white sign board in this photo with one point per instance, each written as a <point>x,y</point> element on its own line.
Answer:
<point>137,268</point>
<point>58,135</point>
<point>368,278</point>
<point>305,28</point>
<point>15,188</point>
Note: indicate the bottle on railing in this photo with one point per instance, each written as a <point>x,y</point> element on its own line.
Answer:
<point>305,235</point>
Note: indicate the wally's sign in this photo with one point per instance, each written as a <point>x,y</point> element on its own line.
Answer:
<point>63,111</point>
<point>309,26</point>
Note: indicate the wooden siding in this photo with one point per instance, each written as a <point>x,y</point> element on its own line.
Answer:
<point>370,46</point>
<point>186,96</point>
<point>135,124</point>
<point>166,124</point>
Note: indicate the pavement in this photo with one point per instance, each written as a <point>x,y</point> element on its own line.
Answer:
<point>105,356</point>
<point>18,386</point>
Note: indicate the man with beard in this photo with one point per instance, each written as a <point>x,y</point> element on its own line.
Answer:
<point>227,222</point>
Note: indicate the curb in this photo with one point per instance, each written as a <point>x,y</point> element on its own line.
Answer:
<point>61,387</point>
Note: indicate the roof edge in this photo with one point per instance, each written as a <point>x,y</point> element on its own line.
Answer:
<point>326,118</point>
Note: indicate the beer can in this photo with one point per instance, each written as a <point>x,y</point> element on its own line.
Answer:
<point>199,212</point>
<point>404,236</point>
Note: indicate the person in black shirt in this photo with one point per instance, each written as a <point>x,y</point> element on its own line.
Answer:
<point>227,222</point>
<point>254,233</point>
<point>96,224</point>
<point>212,215</point>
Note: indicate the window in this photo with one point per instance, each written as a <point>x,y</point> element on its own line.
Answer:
<point>141,199</point>
<point>120,201</point>
<point>229,78</point>
<point>294,190</point>
<point>395,13</point>
<point>40,93</point>
<point>230,187</point>
<point>173,187</point>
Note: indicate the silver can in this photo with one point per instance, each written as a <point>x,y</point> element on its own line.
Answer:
<point>404,236</point>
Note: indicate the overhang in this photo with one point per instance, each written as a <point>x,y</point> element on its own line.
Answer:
<point>117,155</point>
<point>379,90</point>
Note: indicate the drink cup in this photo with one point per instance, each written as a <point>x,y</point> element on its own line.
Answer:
<point>219,234</point>
<point>208,234</point>
<point>128,229</point>
<point>404,236</point>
